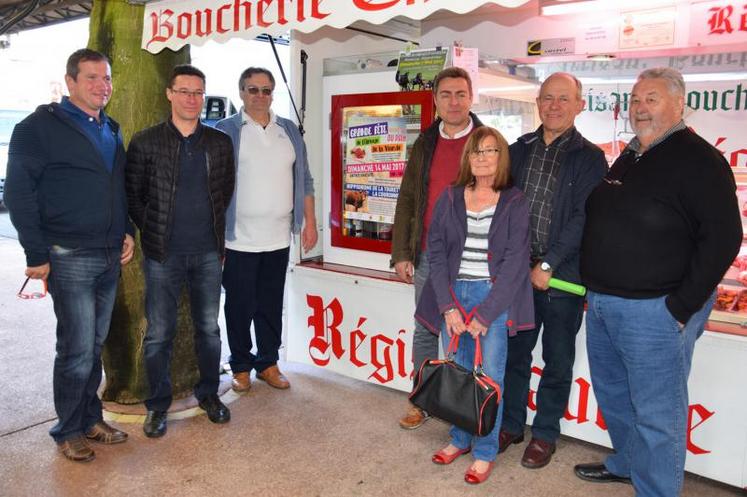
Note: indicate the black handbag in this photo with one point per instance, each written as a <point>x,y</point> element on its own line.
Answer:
<point>466,398</point>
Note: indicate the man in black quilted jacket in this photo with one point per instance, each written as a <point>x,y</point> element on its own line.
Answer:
<point>180,179</point>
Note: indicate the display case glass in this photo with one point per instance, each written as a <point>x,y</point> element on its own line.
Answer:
<point>729,314</point>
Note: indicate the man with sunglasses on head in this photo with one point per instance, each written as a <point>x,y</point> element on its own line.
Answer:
<point>274,199</point>
<point>180,179</point>
<point>556,168</point>
<point>65,191</point>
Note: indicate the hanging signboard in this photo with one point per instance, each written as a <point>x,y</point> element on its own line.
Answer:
<point>417,69</point>
<point>175,23</point>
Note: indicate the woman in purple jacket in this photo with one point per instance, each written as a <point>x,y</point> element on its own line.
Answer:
<point>478,246</point>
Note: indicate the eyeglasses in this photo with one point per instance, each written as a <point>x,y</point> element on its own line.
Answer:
<point>253,90</point>
<point>34,295</point>
<point>485,152</point>
<point>186,93</point>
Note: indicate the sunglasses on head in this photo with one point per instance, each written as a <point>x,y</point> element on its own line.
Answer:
<point>253,90</point>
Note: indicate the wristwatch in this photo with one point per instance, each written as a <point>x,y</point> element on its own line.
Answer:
<point>545,267</point>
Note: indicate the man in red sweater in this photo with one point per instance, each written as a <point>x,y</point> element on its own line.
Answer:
<point>433,164</point>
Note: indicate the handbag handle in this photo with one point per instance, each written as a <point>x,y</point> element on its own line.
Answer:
<point>454,342</point>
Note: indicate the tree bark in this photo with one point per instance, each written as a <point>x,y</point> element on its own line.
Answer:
<point>138,101</point>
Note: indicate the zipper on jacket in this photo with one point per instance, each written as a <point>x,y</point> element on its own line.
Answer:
<point>170,220</point>
<point>61,116</point>
<point>212,202</point>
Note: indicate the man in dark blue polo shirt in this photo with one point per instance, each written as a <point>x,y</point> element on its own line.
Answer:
<point>66,196</point>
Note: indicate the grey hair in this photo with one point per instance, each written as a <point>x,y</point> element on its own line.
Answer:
<point>672,77</point>
<point>576,81</point>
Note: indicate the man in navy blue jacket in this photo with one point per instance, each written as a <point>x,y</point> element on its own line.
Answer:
<point>556,168</point>
<point>66,195</point>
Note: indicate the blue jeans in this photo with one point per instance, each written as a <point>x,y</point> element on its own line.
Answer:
<point>640,361</point>
<point>560,319</point>
<point>493,344</point>
<point>83,285</point>
<point>163,283</point>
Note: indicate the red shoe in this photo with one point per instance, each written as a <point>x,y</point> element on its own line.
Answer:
<point>442,457</point>
<point>473,477</point>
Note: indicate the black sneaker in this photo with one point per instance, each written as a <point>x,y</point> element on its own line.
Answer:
<point>217,412</point>
<point>155,424</point>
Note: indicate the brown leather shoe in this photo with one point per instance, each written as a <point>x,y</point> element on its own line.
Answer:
<point>274,377</point>
<point>241,382</point>
<point>537,454</point>
<point>105,434</point>
<point>414,418</point>
<point>505,439</point>
<point>77,449</point>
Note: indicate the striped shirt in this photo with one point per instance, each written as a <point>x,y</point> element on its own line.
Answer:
<point>474,264</point>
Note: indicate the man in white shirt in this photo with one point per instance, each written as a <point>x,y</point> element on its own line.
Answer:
<point>274,199</point>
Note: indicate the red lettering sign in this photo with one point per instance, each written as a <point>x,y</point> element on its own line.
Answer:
<point>719,21</point>
<point>734,156</point>
<point>160,27</point>
<point>203,23</point>
<point>324,321</point>
<point>356,339</point>
<point>387,357</point>
<point>697,413</point>
<point>204,27</point>
<point>370,5</point>
<point>703,415</point>
<point>219,19</point>
<point>184,25</point>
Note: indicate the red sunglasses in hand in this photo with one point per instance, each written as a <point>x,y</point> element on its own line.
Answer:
<point>34,295</point>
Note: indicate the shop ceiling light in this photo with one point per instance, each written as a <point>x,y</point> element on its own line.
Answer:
<point>499,89</point>
<point>601,57</point>
<point>689,78</point>
<point>563,7</point>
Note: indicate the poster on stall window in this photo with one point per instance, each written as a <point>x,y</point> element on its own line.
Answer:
<point>374,163</point>
<point>375,155</point>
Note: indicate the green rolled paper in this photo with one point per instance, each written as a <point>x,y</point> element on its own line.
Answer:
<point>567,286</point>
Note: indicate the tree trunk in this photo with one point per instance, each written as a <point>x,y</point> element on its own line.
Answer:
<point>138,101</point>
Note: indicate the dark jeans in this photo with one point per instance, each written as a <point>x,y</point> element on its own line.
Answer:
<point>83,285</point>
<point>254,284</point>
<point>560,320</point>
<point>163,285</point>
